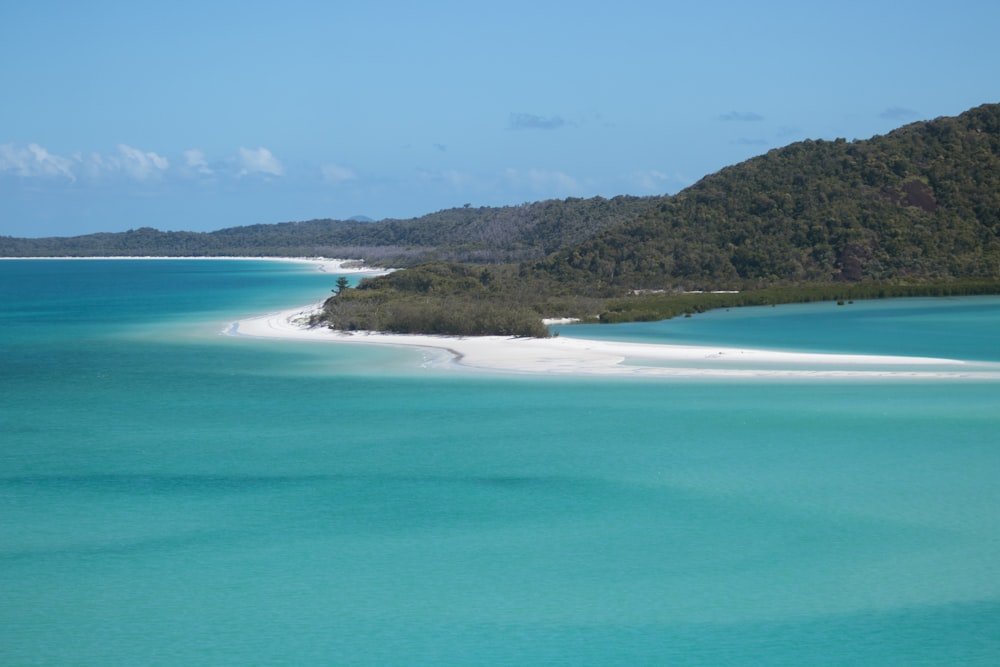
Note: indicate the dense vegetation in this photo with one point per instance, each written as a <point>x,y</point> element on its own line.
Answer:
<point>922,203</point>
<point>435,298</point>
<point>916,211</point>
<point>653,307</point>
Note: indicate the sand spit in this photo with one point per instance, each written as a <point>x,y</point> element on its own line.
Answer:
<point>569,356</point>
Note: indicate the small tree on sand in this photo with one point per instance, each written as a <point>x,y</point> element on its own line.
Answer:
<point>340,285</point>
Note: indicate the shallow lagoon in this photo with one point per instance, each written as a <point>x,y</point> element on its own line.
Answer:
<point>169,495</point>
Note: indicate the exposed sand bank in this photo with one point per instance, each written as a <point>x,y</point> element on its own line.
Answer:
<point>574,356</point>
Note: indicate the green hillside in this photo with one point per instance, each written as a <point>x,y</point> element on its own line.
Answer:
<point>921,203</point>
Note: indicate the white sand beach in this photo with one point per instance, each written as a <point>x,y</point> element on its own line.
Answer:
<point>565,355</point>
<point>323,263</point>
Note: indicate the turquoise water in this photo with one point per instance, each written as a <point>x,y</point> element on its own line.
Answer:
<point>171,496</point>
<point>953,328</point>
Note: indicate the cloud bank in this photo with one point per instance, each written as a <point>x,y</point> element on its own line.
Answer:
<point>138,165</point>
<point>34,161</point>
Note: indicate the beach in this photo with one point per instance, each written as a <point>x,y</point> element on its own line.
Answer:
<point>349,266</point>
<point>572,356</point>
<point>565,355</point>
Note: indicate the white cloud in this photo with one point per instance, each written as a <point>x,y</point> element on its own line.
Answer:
<point>35,161</point>
<point>138,164</point>
<point>335,173</point>
<point>259,161</point>
<point>195,159</point>
<point>129,161</point>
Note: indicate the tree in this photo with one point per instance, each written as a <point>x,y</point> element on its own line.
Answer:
<point>341,284</point>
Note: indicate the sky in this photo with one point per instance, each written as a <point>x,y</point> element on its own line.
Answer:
<point>202,115</point>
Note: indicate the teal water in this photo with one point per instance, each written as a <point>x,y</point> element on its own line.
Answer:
<point>952,328</point>
<point>171,496</point>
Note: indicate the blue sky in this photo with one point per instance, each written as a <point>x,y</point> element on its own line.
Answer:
<point>203,115</point>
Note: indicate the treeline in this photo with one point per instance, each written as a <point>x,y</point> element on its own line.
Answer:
<point>484,235</point>
<point>654,307</point>
<point>436,298</point>
<point>456,299</point>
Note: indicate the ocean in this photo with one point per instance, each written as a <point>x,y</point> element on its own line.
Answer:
<point>171,495</point>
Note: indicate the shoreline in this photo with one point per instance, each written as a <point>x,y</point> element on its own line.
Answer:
<point>189,257</point>
<point>214,257</point>
<point>579,357</point>
<point>325,264</point>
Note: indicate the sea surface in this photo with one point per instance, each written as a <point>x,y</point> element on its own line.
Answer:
<point>173,496</point>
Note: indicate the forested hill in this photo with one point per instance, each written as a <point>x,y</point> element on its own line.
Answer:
<point>478,235</point>
<point>920,203</point>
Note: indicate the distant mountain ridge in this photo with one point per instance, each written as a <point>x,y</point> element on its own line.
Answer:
<point>478,235</point>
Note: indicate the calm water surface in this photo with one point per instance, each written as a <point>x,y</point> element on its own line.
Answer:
<point>172,496</point>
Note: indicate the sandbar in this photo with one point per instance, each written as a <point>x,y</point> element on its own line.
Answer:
<point>569,356</point>
<point>323,263</point>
